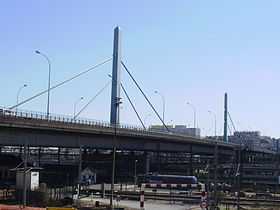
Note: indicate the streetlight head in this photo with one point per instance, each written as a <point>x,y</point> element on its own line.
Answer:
<point>25,85</point>
<point>136,161</point>
<point>82,98</point>
<point>38,52</point>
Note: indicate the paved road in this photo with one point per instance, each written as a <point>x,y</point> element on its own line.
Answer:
<point>149,205</point>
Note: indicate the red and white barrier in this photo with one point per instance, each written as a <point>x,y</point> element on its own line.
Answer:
<point>203,201</point>
<point>142,199</point>
<point>188,186</point>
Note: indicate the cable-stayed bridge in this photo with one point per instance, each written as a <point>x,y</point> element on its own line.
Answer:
<point>64,131</point>
<point>38,129</point>
<point>24,129</point>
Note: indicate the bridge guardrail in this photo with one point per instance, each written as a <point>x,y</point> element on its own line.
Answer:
<point>66,119</point>
<point>62,118</point>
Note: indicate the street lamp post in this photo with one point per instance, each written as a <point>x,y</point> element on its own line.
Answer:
<point>19,90</point>
<point>194,114</point>
<point>215,121</point>
<point>49,80</point>
<point>75,104</point>
<point>163,104</point>
<point>146,117</point>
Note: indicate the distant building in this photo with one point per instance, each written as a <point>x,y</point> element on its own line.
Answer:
<point>179,129</point>
<point>253,140</point>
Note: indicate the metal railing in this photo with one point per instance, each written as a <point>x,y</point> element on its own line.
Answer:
<point>53,119</point>
<point>26,114</point>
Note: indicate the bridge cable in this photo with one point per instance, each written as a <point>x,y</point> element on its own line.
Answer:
<point>144,94</point>
<point>92,99</point>
<point>61,83</point>
<point>231,122</point>
<point>242,140</point>
<point>138,116</point>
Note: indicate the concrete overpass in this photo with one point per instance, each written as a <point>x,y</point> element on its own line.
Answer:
<point>35,129</point>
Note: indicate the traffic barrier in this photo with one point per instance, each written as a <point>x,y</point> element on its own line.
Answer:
<point>203,200</point>
<point>188,186</point>
<point>142,199</point>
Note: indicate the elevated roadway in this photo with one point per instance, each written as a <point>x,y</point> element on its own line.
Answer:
<point>35,129</point>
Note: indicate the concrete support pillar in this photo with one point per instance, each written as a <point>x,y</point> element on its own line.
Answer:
<point>28,151</point>
<point>147,163</point>
<point>20,151</point>
<point>158,159</point>
<point>39,156</point>
<point>102,190</point>
<point>191,161</point>
<point>58,155</point>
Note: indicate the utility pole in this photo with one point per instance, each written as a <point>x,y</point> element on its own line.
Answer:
<point>115,102</point>
<point>135,172</point>
<point>80,171</point>
<point>207,181</point>
<point>113,177</point>
<point>24,174</point>
<point>215,174</point>
<point>238,173</point>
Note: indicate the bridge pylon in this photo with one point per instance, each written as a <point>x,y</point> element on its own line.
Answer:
<point>116,83</point>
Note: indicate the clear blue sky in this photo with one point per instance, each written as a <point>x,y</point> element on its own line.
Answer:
<point>190,50</point>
